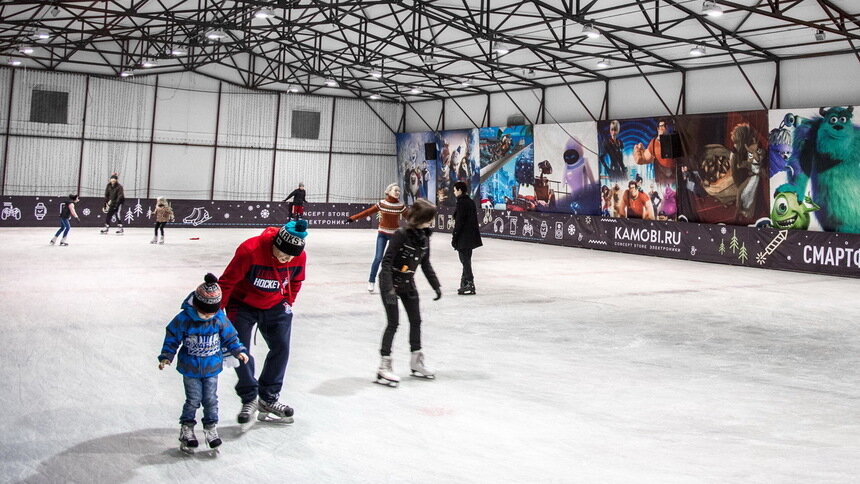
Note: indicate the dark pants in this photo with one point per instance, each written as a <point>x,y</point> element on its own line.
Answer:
<point>159,226</point>
<point>275,325</point>
<point>65,226</point>
<point>114,212</point>
<point>410,303</point>
<point>466,260</point>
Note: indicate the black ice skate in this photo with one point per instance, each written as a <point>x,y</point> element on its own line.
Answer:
<point>385,373</point>
<point>119,231</point>
<point>246,415</point>
<point>274,412</point>
<point>105,230</point>
<point>416,364</point>
<point>467,290</point>
<point>187,439</point>
<point>212,438</point>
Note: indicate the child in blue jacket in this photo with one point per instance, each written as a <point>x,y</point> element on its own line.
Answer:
<point>201,328</point>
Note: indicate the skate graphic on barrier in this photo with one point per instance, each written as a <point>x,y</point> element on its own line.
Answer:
<point>197,217</point>
<point>761,257</point>
<point>10,211</point>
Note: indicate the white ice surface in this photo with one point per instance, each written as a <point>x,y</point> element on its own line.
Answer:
<point>569,366</point>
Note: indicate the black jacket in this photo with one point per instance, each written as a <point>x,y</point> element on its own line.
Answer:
<point>114,195</point>
<point>466,234</point>
<point>299,194</point>
<point>407,249</point>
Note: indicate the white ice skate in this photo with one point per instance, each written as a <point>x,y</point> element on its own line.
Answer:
<point>105,230</point>
<point>416,364</point>
<point>212,438</point>
<point>120,230</point>
<point>274,412</point>
<point>385,373</point>
<point>162,240</point>
<point>246,416</point>
<point>371,286</point>
<point>187,439</point>
<point>63,242</point>
<point>154,240</point>
<point>53,241</point>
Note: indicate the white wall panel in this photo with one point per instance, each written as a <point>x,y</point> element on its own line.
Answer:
<point>42,166</point>
<point>633,97</point>
<point>120,109</point>
<point>456,117</point>
<point>358,129</point>
<point>293,167</point>
<point>102,158</point>
<point>28,80</point>
<point>243,174</point>
<point>5,80</point>
<point>501,107</point>
<point>724,89</point>
<point>247,118</point>
<point>822,81</point>
<point>181,171</point>
<point>422,116</point>
<point>186,109</point>
<point>357,178</point>
<point>296,102</point>
<point>562,105</point>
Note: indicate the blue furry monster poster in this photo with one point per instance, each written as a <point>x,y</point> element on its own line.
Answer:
<point>814,156</point>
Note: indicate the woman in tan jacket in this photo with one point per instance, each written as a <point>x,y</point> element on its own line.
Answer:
<point>163,214</point>
<point>390,210</point>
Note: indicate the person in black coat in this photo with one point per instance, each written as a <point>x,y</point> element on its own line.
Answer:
<point>466,236</point>
<point>297,206</point>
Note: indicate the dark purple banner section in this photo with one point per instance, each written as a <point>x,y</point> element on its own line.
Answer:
<point>793,250</point>
<point>138,212</point>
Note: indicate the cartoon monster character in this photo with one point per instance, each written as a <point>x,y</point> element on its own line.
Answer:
<point>790,209</point>
<point>827,149</point>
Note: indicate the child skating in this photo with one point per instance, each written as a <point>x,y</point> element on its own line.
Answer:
<point>67,211</point>
<point>409,248</point>
<point>163,214</point>
<point>199,331</point>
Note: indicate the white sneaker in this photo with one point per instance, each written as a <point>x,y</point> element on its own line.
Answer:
<point>370,286</point>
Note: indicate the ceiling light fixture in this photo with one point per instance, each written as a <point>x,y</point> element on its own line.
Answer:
<point>147,63</point>
<point>466,83</point>
<point>330,82</point>
<point>374,96</point>
<point>501,48</point>
<point>711,9</point>
<point>820,35</point>
<point>293,89</point>
<point>55,11</point>
<point>13,61</point>
<point>216,34</point>
<point>697,51</point>
<point>530,73</point>
<point>604,63</point>
<point>590,31</point>
<point>264,13</point>
<point>42,34</point>
<point>126,73</point>
<point>415,90</point>
<point>429,59</point>
<point>25,49</point>
<point>376,73</point>
<point>178,51</point>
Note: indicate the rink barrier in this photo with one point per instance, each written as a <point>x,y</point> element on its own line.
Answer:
<point>794,250</point>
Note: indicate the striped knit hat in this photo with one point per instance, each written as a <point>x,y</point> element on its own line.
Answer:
<point>207,296</point>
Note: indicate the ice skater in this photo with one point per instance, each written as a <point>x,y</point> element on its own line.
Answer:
<point>390,210</point>
<point>114,198</point>
<point>260,286</point>
<point>297,206</point>
<point>67,211</point>
<point>466,236</point>
<point>163,214</point>
<point>409,248</point>
<point>199,331</point>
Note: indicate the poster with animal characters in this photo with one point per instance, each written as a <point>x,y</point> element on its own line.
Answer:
<point>507,165</point>
<point>636,180</point>
<point>458,161</point>
<point>814,157</point>
<point>564,179</point>
<point>415,173</point>
<point>723,175</point>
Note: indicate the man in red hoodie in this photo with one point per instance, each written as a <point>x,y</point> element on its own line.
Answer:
<point>259,286</point>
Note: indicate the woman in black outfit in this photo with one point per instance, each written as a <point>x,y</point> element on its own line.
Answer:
<point>466,235</point>
<point>409,247</point>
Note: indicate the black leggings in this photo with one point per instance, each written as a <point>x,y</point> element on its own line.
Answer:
<point>466,260</point>
<point>410,303</point>
<point>114,212</point>
<point>159,225</point>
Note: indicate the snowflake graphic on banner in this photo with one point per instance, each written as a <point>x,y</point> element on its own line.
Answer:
<point>571,229</point>
<point>86,211</point>
<point>588,220</point>
<point>264,213</point>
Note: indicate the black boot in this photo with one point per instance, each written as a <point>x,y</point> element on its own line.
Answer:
<point>468,290</point>
<point>464,285</point>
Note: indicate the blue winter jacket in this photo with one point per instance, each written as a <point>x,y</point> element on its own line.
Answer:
<point>201,340</point>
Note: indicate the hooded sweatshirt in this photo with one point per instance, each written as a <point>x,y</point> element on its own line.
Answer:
<point>201,341</point>
<point>255,277</point>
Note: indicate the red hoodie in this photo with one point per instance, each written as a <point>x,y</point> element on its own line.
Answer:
<point>251,278</point>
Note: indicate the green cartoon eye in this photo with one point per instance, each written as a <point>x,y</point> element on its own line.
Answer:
<point>781,206</point>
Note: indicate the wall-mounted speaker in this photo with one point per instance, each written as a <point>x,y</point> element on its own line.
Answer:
<point>430,151</point>
<point>671,146</point>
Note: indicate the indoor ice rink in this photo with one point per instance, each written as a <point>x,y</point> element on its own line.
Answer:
<point>666,192</point>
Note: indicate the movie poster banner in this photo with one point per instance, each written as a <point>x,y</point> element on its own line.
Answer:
<point>458,161</point>
<point>814,156</point>
<point>565,176</point>
<point>507,165</point>
<point>417,157</point>
<point>636,180</point>
<point>723,175</point>
<point>19,211</point>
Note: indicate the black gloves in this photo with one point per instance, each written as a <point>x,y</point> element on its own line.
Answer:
<point>438,294</point>
<point>348,220</point>
<point>389,298</point>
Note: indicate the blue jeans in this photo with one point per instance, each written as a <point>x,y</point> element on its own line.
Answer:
<point>197,391</point>
<point>65,226</point>
<point>276,326</point>
<point>381,242</point>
